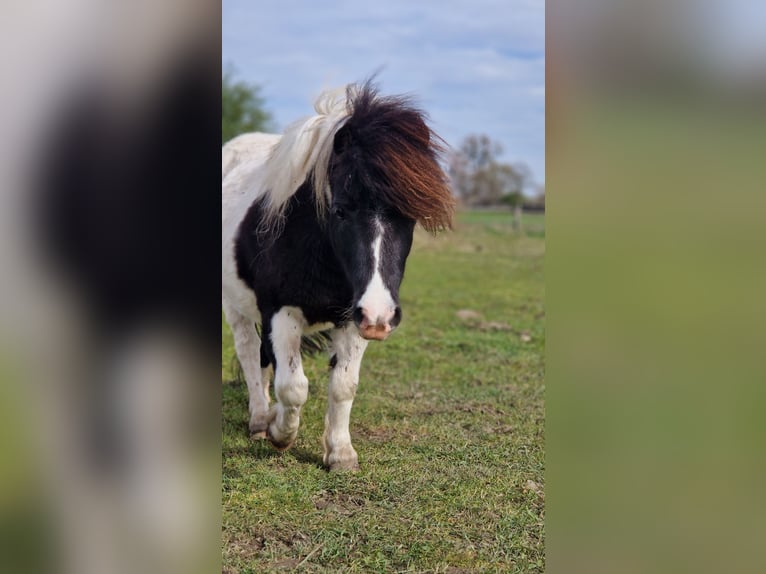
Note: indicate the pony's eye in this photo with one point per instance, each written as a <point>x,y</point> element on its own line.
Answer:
<point>338,212</point>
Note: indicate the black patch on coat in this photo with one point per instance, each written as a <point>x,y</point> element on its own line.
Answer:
<point>298,268</point>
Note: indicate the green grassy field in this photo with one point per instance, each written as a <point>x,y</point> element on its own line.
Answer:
<point>448,422</point>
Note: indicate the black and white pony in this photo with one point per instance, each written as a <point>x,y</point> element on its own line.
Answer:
<point>317,226</point>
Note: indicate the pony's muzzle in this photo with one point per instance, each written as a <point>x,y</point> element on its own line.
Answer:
<point>381,326</point>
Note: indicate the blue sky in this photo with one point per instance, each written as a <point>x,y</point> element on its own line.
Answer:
<point>476,66</point>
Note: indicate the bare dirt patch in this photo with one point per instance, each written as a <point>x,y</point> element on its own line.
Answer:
<point>338,503</point>
<point>379,434</point>
<point>474,320</point>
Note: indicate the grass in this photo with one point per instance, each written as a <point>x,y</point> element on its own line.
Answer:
<point>448,423</point>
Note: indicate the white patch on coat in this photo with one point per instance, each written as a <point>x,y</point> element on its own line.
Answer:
<point>376,302</point>
<point>242,163</point>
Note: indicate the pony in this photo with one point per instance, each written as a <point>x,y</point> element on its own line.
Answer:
<point>317,226</point>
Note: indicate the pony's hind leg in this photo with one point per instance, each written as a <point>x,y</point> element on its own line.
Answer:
<point>247,343</point>
<point>349,348</point>
<point>291,387</point>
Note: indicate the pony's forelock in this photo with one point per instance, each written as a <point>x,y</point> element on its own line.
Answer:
<point>400,155</point>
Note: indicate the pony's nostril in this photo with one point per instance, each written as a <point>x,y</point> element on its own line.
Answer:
<point>397,317</point>
<point>358,316</point>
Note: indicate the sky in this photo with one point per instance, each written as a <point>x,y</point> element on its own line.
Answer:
<point>476,66</point>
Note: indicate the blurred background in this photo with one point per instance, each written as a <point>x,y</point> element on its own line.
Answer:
<point>656,122</point>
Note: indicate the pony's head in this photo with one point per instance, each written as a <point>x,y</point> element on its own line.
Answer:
<point>383,177</point>
<point>373,165</point>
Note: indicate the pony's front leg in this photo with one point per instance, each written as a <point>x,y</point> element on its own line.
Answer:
<point>349,348</point>
<point>291,387</point>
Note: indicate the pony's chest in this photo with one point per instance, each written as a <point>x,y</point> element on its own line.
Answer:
<point>310,284</point>
<point>320,300</point>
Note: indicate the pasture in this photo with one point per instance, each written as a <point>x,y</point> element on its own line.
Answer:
<point>448,422</point>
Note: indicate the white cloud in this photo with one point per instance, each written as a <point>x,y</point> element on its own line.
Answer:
<point>476,66</point>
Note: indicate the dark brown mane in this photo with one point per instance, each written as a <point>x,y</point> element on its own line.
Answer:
<point>400,154</point>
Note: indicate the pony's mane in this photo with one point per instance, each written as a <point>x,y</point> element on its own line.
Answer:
<point>305,145</point>
<point>387,141</point>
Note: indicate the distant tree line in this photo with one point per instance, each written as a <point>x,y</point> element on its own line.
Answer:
<point>480,179</point>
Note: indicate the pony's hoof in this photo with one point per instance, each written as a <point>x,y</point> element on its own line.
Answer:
<point>344,459</point>
<point>280,445</point>
<point>258,428</point>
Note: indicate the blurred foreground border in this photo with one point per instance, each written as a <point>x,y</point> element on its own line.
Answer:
<point>110,338</point>
<point>654,286</point>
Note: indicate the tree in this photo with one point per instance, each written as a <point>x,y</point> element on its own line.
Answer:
<point>479,179</point>
<point>242,108</point>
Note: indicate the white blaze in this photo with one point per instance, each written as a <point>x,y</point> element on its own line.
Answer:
<point>376,302</point>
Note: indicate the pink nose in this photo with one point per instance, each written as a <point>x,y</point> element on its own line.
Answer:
<point>374,332</point>
<point>378,328</point>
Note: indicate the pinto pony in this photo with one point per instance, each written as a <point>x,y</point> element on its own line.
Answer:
<point>317,226</point>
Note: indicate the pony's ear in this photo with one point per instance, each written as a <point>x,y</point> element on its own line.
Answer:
<point>342,140</point>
